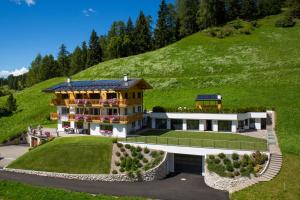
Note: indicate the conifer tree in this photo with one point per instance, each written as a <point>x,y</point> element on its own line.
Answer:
<point>207,14</point>
<point>63,61</point>
<point>11,103</point>
<point>161,35</point>
<point>94,54</point>
<point>76,61</point>
<point>248,10</point>
<point>142,34</point>
<point>130,29</point>
<point>233,9</point>
<point>84,51</point>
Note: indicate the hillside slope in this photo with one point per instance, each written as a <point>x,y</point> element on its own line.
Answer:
<point>261,69</point>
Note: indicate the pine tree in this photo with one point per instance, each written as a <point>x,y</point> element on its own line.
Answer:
<point>248,10</point>
<point>142,34</point>
<point>103,40</point>
<point>34,74</point>
<point>11,103</point>
<point>49,68</point>
<point>207,14</point>
<point>84,51</point>
<point>172,24</point>
<point>63,61</point>
<point>220,12</point>
<point>268,7</point>
<point>161,35</point>
<point>233,9</point>
<point>187,13</point>
<point>130,29</point>
<point>76,61</point>
<point>94,54</point>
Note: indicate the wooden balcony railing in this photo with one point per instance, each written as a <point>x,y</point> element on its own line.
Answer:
<point>96,102</point>
<point>109,119</point>
<point>54,116</point>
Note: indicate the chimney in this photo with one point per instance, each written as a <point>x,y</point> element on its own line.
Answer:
<point>69,79</point>
<point>125,77</point>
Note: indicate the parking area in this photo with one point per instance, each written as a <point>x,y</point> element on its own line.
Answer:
<point>11,153</point>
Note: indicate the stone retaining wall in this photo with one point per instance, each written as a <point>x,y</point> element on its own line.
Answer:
<point>158,172</point>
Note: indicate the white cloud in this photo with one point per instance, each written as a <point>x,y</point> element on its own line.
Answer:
<point>88,12</point>
<point>16,72</point>
<point>27,2</point>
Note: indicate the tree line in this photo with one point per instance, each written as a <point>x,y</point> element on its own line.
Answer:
<point>174,22</point>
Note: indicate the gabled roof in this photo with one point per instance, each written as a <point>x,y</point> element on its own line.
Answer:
<point>99,85</point>
<point>208,97</point>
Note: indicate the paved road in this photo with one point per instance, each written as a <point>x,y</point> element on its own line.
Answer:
<point>172,188</point>
<point>10,153</point>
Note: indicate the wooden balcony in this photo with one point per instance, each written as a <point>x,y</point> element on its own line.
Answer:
<point>107,119</point>
<point>54,116</point>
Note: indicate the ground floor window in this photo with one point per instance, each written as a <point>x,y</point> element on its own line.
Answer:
<point>224,126</point>
<point>79,125</point>
<point>263,123</point>
<point>107,129</point>
<point>66,124</point>
<point>241,124</point>
<point>252,123</point>
<point>161,123</point>
<point>192,124</point>
<point>176,124</point>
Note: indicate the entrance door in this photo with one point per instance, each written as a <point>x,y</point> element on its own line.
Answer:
<point>208,125</point>
<point>188,163</point>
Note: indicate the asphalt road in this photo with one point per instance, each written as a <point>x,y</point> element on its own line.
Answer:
<point>173,188</point>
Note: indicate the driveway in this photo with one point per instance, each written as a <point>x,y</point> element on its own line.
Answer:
<point>11,153</point>
<point>178,187</point>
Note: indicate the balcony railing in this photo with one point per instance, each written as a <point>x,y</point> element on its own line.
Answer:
<point>96,102</point>
<point>109,119</point>
<point>54,116</point>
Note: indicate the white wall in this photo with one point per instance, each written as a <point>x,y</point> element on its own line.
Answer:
<point>119,130</point>
<point>234,126</point>
<point>258,123</point>
<point>184,125</point>
<point>202,125</point>
<point>215,125</point>
<point>208,116</point>
<point>94,129</point>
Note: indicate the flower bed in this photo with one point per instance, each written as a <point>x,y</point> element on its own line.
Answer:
<point>133,161</point>
<point>235,165</point>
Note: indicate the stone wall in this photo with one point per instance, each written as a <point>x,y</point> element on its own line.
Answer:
<point>158,172</point>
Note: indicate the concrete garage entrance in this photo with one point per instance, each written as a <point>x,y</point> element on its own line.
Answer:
<point>188,163</point>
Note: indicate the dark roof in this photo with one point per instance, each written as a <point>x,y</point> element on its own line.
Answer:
<point>208,97</point>
<point>97,85</point>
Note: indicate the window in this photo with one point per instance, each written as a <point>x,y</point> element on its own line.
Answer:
<point>106,127</point>
<point>224,126</point>
<point>79,125</point>
<point>111,95</point>
<point>133,125</point>
<point>79,96</point>
<point>139,108</point>
<point>96,111</point>
<point>176,124</point>
<point>125,111</point>
<point>133,95</point>
<point>161,123</point>
<point>80,111</point>
<point>139,95</point>
<point>95,96</point>
<point>112,111</point>
<point>192,124</point>
<point>65,110</point>
<point>126,95</point>
<point>246,122</point>
<point>65,96</point>
<point>133,109</point>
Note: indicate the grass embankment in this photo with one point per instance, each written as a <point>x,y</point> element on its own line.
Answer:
<point>82,155</point>
<point>201,139</point>
<point>15,191</point>
<point>261,69</point>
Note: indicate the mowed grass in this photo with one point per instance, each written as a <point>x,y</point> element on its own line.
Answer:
<point>78,155</point>
<point>11,190</point>
<point>261,69</point>
<point>201,139</point>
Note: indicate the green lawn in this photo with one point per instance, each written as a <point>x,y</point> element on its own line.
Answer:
<point>11,190</point>
<point>261,69</point>
<point>201,139</point>
<point>81,155</point>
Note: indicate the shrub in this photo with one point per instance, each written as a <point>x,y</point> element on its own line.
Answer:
<point>127,146</point>
<point>227,161</point>
<point>118,154</point>
<point>139,165</point>
<point>237,173</point>
<point>147,166</point>
<point>117,163</point>
<point>122,170</point>
<point>138,149</point>
<point>114,171</point>
<point>244,163</point>
<point>259,158</point>
<point>145,160</point>
<point>130,174</point>
<point>154,154</point>
<point>128,163</point>
<point>250,168</point>
<point>114,140</point>
<point>125,154</point>
<point>246,31</point>
<point>235,156</point>
<point>123,163</point>
<point>158,109</point>
<point>217,168</point>
<point>132,148</point>
<point>122,150</point>
<point>217,161</point>
<point>229,168</point>
<point>138,173</point>
<point>285,22</point>
<point>134,153</point>
<point>212,157</point>
<point>122,158</point>
<point>230,175</point>
<point>236,164</point>
<point>140,156</point>
<point>257,168</point>
<point>246,157</point>
<point>222,155</point>
<point>146,150</point>
<point>119,145</point>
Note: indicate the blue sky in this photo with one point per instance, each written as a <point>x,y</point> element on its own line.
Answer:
<point>29,27</point>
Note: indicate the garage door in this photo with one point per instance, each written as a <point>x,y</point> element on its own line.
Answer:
<point>188,163</point>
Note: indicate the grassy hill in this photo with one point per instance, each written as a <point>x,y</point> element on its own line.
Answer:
<point>94,154</point>
<point>261,69</point>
